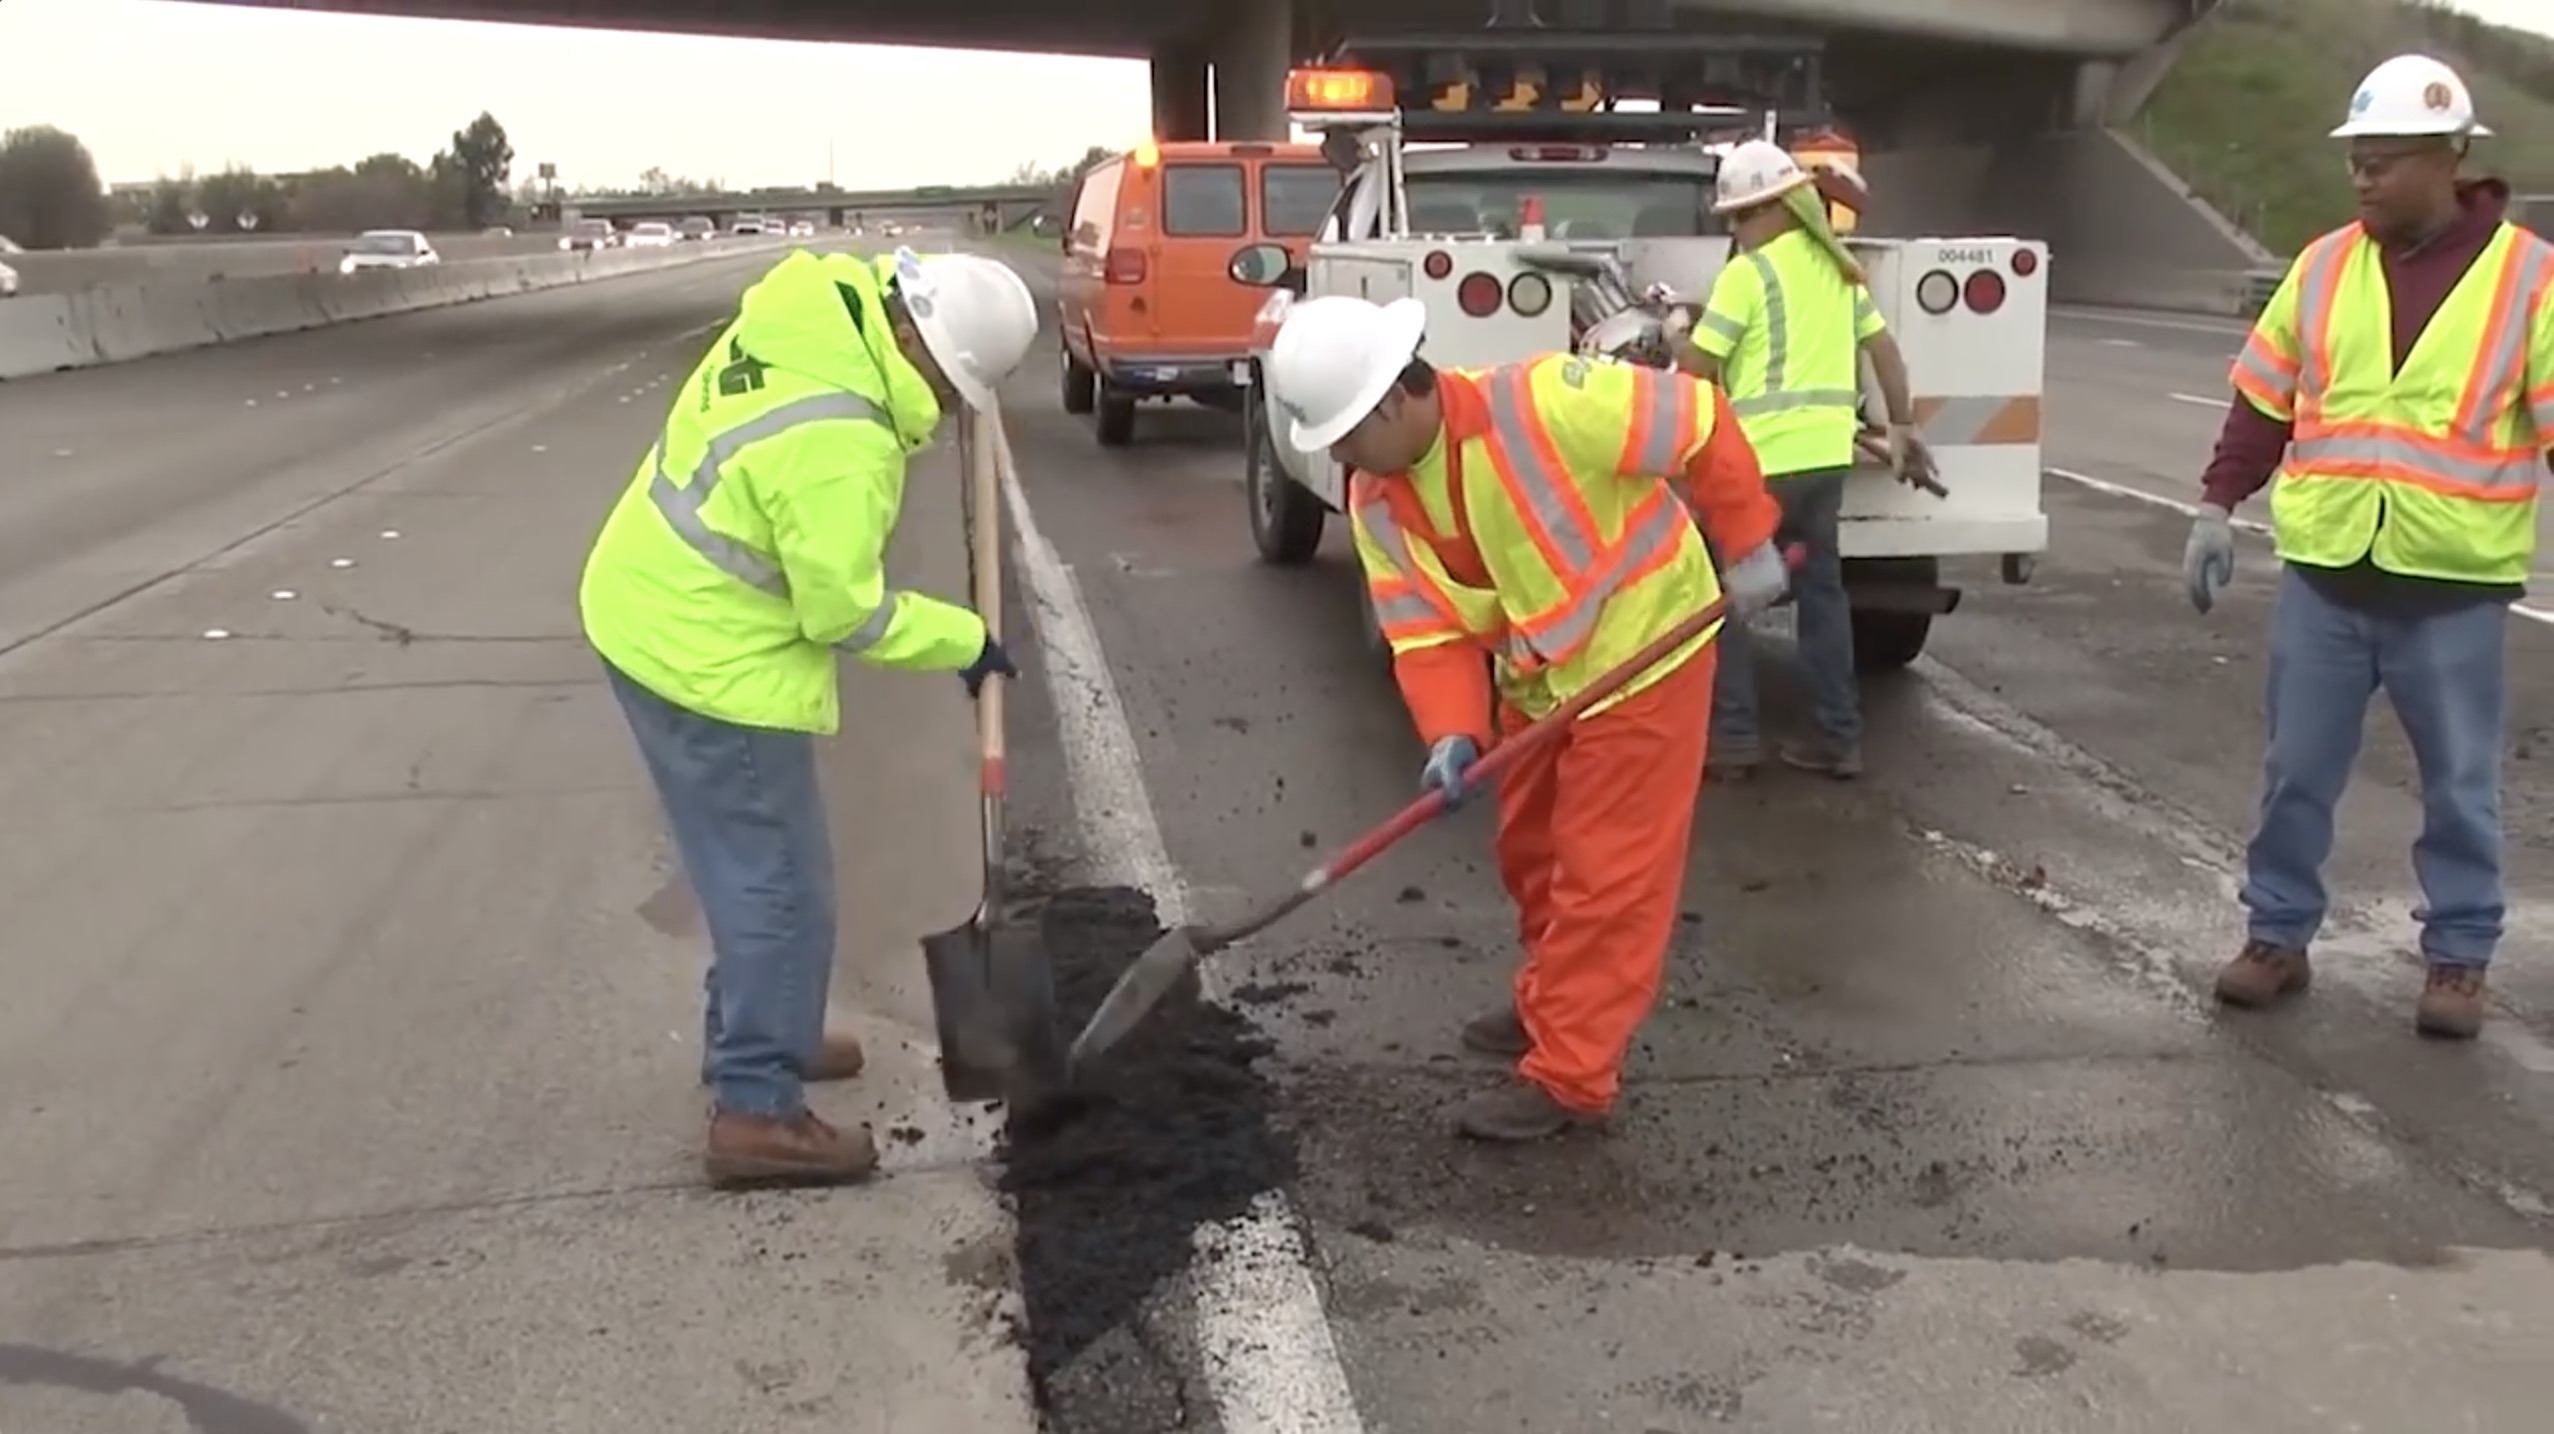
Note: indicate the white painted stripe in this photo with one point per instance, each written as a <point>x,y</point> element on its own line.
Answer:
<point>2201,400</point>
<point>2184,323</point>
<point>2191,510</point>
<point>1265,1344</point>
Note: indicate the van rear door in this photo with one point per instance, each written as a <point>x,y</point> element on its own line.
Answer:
<point>1205,215</point>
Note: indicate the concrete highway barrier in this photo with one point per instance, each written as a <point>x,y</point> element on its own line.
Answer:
<point>43,333</point>
<point>63,271</point>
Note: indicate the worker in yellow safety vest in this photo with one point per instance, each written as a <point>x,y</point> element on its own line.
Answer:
<point>745,558</point>
<point>2405,370</point>
<point>1784,331</point>
<point>1538,513</point>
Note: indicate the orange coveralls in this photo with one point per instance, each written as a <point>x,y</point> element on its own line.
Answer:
<point>1593,827</point>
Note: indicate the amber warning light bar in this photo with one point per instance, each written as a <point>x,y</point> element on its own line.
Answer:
<point>1339,92</point>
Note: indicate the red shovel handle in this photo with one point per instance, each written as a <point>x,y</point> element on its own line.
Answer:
<point>1515,745</point>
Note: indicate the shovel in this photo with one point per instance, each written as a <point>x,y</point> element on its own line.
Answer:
<point>992,992</point>
<point>1168,959</point>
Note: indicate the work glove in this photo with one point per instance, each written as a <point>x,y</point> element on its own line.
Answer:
<point>990,661</point>
<point>1756,581</point>
<point>2208,561</point>
<point>1448,761</point>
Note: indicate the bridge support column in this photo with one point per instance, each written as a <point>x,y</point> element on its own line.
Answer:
<point>1253,45</point>
<point>1179,92</point>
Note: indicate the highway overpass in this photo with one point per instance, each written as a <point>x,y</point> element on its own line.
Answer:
<point>1975,115</point>
<point>988,206</point>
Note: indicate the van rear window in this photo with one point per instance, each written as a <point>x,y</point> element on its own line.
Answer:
<point>1295,198</point>
<point>1204,201</point>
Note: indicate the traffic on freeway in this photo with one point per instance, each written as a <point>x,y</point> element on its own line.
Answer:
<point>356,1022</point>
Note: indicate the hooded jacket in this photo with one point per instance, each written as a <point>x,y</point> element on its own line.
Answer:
<point>748,551</point>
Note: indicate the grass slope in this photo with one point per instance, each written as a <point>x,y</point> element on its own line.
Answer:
<point>2244,114</point>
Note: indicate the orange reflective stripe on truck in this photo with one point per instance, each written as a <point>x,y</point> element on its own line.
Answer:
<point>1978,420</point>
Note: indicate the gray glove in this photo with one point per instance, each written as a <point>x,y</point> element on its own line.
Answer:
<point>1756,581</point>
<point>2208,562</point>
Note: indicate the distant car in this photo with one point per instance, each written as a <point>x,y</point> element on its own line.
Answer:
<point>8,282</point>
<point>388,249</point>
<point>498,231</point>
<point>587,235</point>
<point>649,234</point>
<point>696,228</point>
<point>749,226</point>
<point>802,229</point>
<point>891,229</point>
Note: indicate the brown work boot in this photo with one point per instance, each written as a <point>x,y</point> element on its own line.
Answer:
<point>1498,1033</point>
<point>837,1058</point>
<point>1516,1112</point>
<point>1824,756</point>
<point>2451,1003</point>
<point>767,1150</point>
<point>2262,973</point>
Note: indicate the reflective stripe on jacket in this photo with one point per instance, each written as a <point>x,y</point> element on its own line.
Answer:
<point>1788,330</point>
<point>1556,499</point>
<point>748,549</point>
<point>2432,471</point>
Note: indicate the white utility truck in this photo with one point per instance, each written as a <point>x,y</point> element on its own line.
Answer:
<point>1446,190</point>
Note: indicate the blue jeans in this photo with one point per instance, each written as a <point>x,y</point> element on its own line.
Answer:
<point>749,820</point>
<point>1811,503</point>
<point>2444,673</point>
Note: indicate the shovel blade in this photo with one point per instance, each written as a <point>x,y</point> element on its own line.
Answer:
<point>1138,990</point>
<point>993,1000</point>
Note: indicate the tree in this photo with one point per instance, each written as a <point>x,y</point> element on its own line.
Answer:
<point>172,202</point>
<point>50,196</point>
<point>239,200</point>
<point>482,160</point>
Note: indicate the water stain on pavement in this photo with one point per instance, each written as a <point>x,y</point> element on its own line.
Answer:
<point>1175,1135</point>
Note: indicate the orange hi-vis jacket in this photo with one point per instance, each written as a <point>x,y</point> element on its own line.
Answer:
<point>1550,525</point>
<point>2431,470</point>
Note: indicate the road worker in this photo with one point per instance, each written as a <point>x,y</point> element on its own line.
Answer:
<point>2405,368</point>
<point>1784,330</point>
<point>741,561</point>
<point>1533,513</point>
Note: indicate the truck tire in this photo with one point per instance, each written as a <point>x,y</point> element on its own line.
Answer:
<point>1116,427</point>
<point>1285,520</point>
<point>1081,386</point>
<point>1888,641</point>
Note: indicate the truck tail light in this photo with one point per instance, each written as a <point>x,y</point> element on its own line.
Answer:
<point>1984,292</point>
<point>1125,266</point>
<point>1479,294</point>
<point>1437,265</point>
<point>2026,262</point>
<point>1937,291</point>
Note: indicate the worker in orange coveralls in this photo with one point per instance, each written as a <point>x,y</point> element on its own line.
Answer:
<point>1534,510</point>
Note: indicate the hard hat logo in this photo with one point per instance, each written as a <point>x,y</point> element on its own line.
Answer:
<point>2360,102</point>
<point>2438,97</point>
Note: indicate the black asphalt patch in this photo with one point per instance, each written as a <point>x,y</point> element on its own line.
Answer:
<point>1169,1134</point>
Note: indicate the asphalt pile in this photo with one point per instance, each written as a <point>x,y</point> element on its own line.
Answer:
<point>1170,1133</point>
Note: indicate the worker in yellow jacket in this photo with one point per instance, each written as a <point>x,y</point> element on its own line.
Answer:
<point>2397,398</point>
<point>745,558</point>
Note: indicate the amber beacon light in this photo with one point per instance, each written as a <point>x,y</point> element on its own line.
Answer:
<point>1345,91</point>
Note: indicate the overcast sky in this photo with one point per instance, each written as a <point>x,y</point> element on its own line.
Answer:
<point>153,85</point>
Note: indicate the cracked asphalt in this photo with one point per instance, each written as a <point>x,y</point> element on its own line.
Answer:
<point>346,1067</point>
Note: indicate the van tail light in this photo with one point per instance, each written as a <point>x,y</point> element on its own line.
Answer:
<point>1479,294</point>
<point>1126,266</point>
<point>1984,293</point>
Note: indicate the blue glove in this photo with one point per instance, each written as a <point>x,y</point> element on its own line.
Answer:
<point>990,661</point>
<point>1448,761</point>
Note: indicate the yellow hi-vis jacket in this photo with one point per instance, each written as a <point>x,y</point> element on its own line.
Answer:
<point>2428,472</point>
<point>1788,330</point>
<point>748,550</point>
<point>1551,470</point>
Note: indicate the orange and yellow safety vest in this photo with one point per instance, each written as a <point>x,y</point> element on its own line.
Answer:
<point>2430,471</point>
<point>1553,472</point>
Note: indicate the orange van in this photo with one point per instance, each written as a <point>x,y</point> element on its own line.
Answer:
<point>1146,299</point>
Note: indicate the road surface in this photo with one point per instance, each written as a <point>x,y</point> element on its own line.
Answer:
<point>348,1081</point>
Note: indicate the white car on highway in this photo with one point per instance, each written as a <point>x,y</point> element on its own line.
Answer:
<point>8,282</point>
<point>649,234</point>
<point>388,249</point>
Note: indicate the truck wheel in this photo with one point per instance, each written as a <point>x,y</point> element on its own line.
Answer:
<point>1285,520</point>
<point>1888,641</point>
<point>1081,385</point>
<point>1117,417</point>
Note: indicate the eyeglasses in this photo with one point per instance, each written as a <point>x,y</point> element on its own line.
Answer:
<point>2377,163</point>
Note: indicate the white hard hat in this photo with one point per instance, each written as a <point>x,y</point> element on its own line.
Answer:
<point>1334,359</point>
<point>1753,173</point>
<point>975,315</point>
<point>2411,95</point>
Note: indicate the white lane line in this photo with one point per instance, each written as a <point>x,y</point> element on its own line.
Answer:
<point>2189,324</point>
<point>1267,1351</point>
<point>2119,343</point>
<point>2198,400</point>
<point>2191,510</point>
